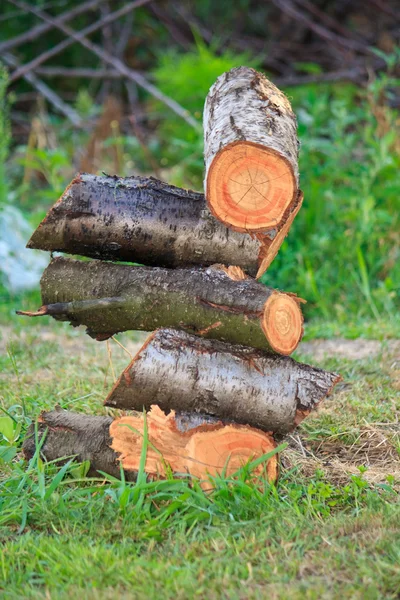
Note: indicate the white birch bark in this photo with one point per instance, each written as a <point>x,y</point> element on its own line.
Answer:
<point>243,105</point>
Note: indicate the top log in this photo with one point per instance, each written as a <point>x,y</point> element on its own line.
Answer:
<point>251,151</point>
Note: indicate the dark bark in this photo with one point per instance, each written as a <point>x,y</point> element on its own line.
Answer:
<point>70,434</point>
<point>185,373</point>
<point>109,298</point>
<point>141,220</point>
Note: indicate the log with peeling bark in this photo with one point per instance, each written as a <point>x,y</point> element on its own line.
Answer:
<point>251,152</point>
<point>196,446</point>
<point>142,220</point>
<point>215,302</point>
<point>183,372</point>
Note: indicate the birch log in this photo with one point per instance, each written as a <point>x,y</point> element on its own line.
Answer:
<point>142,220</point>
<point>185,373</point>
<point>251,152</point>
<point>201,450</point>
<point>216,302</point>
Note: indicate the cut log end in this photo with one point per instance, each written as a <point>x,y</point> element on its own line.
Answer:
<point>208,449</point>
<point>230,449</point>
<point>250,187</point>
<point>282,323</point>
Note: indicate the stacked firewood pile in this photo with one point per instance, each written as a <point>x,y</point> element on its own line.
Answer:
<point>215,376</point>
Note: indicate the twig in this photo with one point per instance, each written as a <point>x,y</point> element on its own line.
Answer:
<point>124,36</point>
<point>290,9</point>
<point>107,44</point>
<point>174,31</point>
<point>111,60</point>
<point>10,15</point>
<point>190,19</point>
<point>106,29</point>
<point>114,339</point>
<point>357,74</point>
<point>51,96</point>
<point>386,9</point>
<point>110,360</point>
<point>327,19</point>
<point>35,32</point>
<point>45,6</point>
<point>74,36</point>
<point>131,87</point>
<point>87,73</point>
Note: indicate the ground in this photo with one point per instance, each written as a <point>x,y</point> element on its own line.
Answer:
<point>330,528</point>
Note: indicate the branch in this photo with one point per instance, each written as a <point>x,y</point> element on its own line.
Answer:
<point>124,36</point>
<point>355,75</point>
<point>383,6</point>
<point>288,7</point>
<point>48,93</point>
<point>35,32</point>
<point>328,20</point>
<point>73,36</point>
<point>174,31</point>
<point>87,73</point>
<point>103,55</point>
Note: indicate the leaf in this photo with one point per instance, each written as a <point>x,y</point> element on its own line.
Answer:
<point>57,479</point>
<point>7,428</point>
<point>7,453</point>
<point>80,471</point>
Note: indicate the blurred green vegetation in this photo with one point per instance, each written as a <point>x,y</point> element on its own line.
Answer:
<point>342,254</point>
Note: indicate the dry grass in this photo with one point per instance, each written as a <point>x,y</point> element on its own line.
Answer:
<point>374,449</point>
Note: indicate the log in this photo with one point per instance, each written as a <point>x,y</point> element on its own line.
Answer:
<point>199,450</point>
<point>216,302</point>
<point>142,220</point>
<point>251,152</point>
<point>183,372</point>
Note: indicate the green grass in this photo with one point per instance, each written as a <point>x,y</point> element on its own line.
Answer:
<point>329,528</point>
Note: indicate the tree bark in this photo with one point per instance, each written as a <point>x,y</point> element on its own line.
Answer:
<point>200,450</point>
<point>72,434</point>
<point>185,373</point>
<point>142,220</point>
<point>251,152</point>
<point>216,302</point>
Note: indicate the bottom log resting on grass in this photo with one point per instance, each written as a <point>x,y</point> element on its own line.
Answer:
<point>214,302</point>
<point>198,446</point>
<point>183,372</point>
